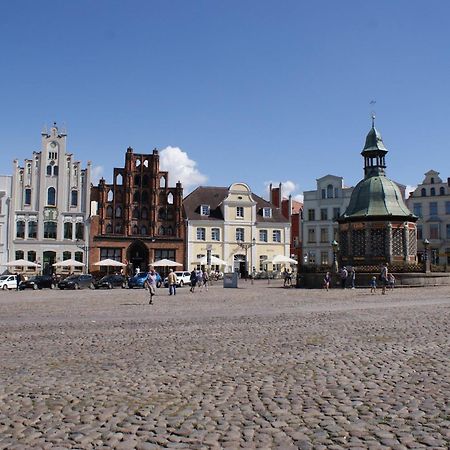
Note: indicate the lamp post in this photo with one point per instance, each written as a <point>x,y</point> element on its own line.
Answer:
<point>335,246</point>
<point>246,246</point>
<point>426,259</point>
<point>85,248</point>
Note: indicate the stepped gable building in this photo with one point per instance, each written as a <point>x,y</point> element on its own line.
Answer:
<point>430,202</point>
<point>241,230</point>
<point>138,218</point>
<point>292,210</point>
<point>5,201</point>
<point>377,226</point>
<point>50,205</point>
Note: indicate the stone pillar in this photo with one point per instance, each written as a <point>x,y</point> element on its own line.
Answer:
<point>405,242</point>
<point>389,243</point>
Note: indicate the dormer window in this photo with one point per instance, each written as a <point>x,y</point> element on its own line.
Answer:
<point>240,212</point>
<point>267,212</point>
<point>204,210</point>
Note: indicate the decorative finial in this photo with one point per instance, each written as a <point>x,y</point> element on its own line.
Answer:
<point>373,120</point>
<point>373,102</point>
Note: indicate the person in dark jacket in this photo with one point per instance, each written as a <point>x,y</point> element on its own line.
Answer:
<point>193,279</point>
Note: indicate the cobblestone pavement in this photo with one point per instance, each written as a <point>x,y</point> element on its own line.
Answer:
<point>256,367</point>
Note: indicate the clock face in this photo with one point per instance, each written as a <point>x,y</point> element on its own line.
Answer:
<point>53,144</point>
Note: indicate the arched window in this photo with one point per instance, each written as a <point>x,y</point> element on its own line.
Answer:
<point>28,196</point>
<point>442,190</point>
<point>432,191</point>
<point>138,162</point>
<point>55,170</point>
<point>170,198</point>
<point>144,213</point>
<point>144,230</point>
<point>49,169</point>
<point>423,192</point>
<point>145,180</point>
<point>135,213</point>
<point>118,212</point>
<point>162,182</point>
<point>109,211</point>
<point>119,179</point>
<point>108,228</point>
<point>74,198</point>
<point>161,231</point>
<point>136,197</point>
<point>145,197</point>
<point>146,163</point>
<point>110,196</point>
<point>51,196</point>
<point>118,228</point>
<point>432,180</point>
<point>330,191</point>
<point>135,229</point>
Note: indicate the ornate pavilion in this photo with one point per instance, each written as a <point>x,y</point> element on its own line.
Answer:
<point>377,226</point>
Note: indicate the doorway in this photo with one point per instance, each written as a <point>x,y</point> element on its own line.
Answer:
<point>137,255</point>
<point>240,265</point>
<point>47,263</point>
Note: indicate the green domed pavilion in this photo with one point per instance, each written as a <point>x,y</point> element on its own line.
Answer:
<point>377,226</point>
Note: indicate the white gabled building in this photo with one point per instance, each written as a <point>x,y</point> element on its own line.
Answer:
<point>321,208</point>
<point>5,199</point>
<point>50,200</point>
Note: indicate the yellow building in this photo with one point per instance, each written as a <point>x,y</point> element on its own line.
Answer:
<point>236,226</point>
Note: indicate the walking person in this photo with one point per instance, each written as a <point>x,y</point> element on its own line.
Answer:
<point>151,284</point>
<point>327,281</point>
<point>373,285</point>
<point>344,275</point>
<point>205,281</point>
<point>193,279</point>
<point>384,274</point>
<point>172,281</point>
<point>391,281</point>
<point>352,277</point>
<point>18,279</point>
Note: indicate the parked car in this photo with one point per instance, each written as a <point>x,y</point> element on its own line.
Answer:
<point>38,282</point>
<point>139,280</point>
<point>110,281</point>
<point>8,282</point>
<point>183,277</point>
<point>77,282</point>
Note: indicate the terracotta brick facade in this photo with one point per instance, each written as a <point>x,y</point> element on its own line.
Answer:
<point>139,217</point>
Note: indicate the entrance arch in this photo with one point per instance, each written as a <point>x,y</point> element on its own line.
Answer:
<point>240,265</point>
<point>138,256</point>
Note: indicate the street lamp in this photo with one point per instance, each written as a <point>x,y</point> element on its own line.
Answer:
<point>246,246</point>
<point>426,259</point>
<point>335,246</point>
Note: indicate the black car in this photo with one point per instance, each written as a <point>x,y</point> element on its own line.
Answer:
<point>38,282</point>
<point>77,282</point>
<point>111,281</point>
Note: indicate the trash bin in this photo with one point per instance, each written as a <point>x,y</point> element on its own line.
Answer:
<point>230,280</point>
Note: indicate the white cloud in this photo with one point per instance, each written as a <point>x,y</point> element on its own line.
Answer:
<point>181,168</point>
<point>96,174</point>
<point>409,189</point>
<point>288,188</point>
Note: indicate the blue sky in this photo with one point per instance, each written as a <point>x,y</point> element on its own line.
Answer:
<point>252,91</point>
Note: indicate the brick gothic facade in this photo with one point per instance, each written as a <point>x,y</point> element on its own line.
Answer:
<point>139,218</point>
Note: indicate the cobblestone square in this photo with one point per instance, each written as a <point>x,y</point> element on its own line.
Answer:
<point>255,367</point>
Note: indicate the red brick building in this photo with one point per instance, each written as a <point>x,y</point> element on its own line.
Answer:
<point>139,218</point>
<point>292,210</point>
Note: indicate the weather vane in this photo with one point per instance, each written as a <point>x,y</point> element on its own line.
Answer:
<point>372,113</point>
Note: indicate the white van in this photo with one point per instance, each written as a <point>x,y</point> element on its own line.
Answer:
<point>8,282</point>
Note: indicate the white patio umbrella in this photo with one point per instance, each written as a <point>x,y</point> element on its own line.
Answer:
<point>22,263</point>
<point>69,263</point>
<point>166,263</point>
<point>281,259</point>
<point>109,263</point>
<point>215,261</point>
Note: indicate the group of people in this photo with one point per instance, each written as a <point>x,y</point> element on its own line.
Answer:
<point>347,277</point>
<point>199,278</point>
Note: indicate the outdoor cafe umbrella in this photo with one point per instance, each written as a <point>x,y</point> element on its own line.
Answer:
<point>166,263</point>
<point>69,263</point>
<point>22,263</point>
<point>281,259</point>
<point>215,261</point>
<point>109,263</point>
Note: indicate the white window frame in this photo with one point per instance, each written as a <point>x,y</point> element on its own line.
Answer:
<point>239,212</point>
<point>204,210</point>
<point>215,234</point>
<point>240,234</point>
<point>276,235</point>
<point>263,238</point>
<point>201,234</point>
<point>267,212</point>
